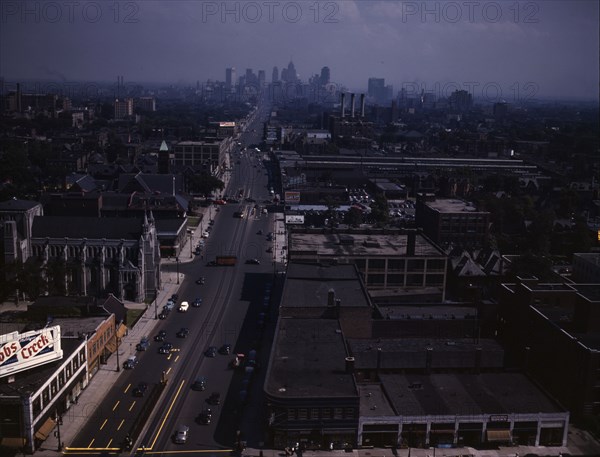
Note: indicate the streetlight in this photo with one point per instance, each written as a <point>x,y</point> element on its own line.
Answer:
<point>155,304</point>
<point>117,350</point>
<point>190,245</point>
<point>177,262</point>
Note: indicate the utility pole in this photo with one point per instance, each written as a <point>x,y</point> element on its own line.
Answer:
<point>177,261</point>
<point>155,304</point>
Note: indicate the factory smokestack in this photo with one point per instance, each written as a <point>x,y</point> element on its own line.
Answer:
<point>362,105</point>
<point>352,96</point>
<point>343,104</point>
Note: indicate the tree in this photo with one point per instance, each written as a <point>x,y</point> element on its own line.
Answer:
<point>204,183</point>
<point>380,211</point>
<point>354,217</point>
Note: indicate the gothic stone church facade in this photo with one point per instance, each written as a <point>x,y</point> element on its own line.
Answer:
<point>101,255</point>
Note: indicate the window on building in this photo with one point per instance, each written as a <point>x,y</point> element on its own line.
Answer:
<point>338,413</point>
<point>375,280</point>
<point>395,280</point>
<point>435,265</point>
<point>414,280</point>
<point>395,264</point>
<point>376,264</point>
<point>349,413</point>
<point>302,414</point>
<point>326,413</point>
<point>416,264</point>
<point>36,405</point>
<point>314,413</point>
<point>291,414</point>
<point>434,280</point>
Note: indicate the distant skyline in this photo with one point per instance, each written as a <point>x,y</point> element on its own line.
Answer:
<point>503,50</point>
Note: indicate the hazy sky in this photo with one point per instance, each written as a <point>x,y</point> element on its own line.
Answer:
<point>505,48</point>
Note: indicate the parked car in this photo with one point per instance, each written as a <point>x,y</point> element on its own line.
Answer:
<point>214,399</point>
<point>143,344</point>
<point>181,434</point>
<point>130,363</point>
<point>197,302</point>
<point>225,349</point>
<point>205,417</point>
<point>160,336</point>
<point>199,383</point>
<point>201,280</point>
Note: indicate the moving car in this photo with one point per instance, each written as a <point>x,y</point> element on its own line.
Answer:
<point>143,344</point>
<point>201,280</point>
<point>211,352</point>
<point>165,348</point>
<point>160,336</point>
<point>183,332</point>
<point>197,302</point>
<point>253,262</point>
<point>140,389</point>
<point>184,307</point>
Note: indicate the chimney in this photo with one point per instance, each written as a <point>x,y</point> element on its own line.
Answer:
<point>352,96</point>
<point>343,105</point>
<point>478,360</point>
<point>410,242</point>
<point>330,298</point>
<point>428,359</point>
<point>379,352</point>
<point>362,105</point>
<point>338,303</point>
<point>349,365</point>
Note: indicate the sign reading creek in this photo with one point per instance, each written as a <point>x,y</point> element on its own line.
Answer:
<point>20,351</point>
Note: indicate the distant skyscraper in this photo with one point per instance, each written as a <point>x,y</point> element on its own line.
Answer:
<point>261,78</point>
<point>376,87</point>
<point>275,76</point>
<point>123,108</point>
<point>325,75</point>
<point>461,100</point>
<point>229,78</point>
<point>291,74</point>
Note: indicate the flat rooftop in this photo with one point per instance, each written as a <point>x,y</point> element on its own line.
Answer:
<point>451,205</point>
<point>465,394</point>
<point>410,353</point>
<point>308,360</point>
<point>439,312</point>
<point>359,245</point>
<point>308,286</point>
<point>373,402</point>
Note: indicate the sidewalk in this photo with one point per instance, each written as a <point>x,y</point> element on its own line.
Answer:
<point>75,418</point>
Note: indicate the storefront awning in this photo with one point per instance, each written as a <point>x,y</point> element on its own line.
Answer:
<point>16,443</point>
<point>498,435</point>
<point>45,429</point>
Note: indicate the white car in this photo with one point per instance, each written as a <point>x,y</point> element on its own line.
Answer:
<point>181,434</point>
<point>184,307</point>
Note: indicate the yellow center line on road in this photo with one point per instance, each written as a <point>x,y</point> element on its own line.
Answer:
<point>103,424</point>
<point>116,404</point>
<point>121,424</point>
<point>127,388</point>
<point>91,442</point>
<point>132,405</point>
<point>167,415</point>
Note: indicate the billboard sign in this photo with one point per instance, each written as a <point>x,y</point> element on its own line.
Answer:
<point>21,351</point>
<point>297,219</point>
<point>292,198</point>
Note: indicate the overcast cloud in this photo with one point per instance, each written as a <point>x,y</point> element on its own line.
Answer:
<point>528,48</point>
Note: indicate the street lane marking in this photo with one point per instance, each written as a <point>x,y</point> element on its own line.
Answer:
<point>91,442</point>
<point>127,388</point>
<point>176,359</point>
<point>167,372</point>
<point>116,404</point>
<point>109,443</point>
<point>167,415</point>
<point>121,424</point>
<point>131,407</point>
<point>103,424</point>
